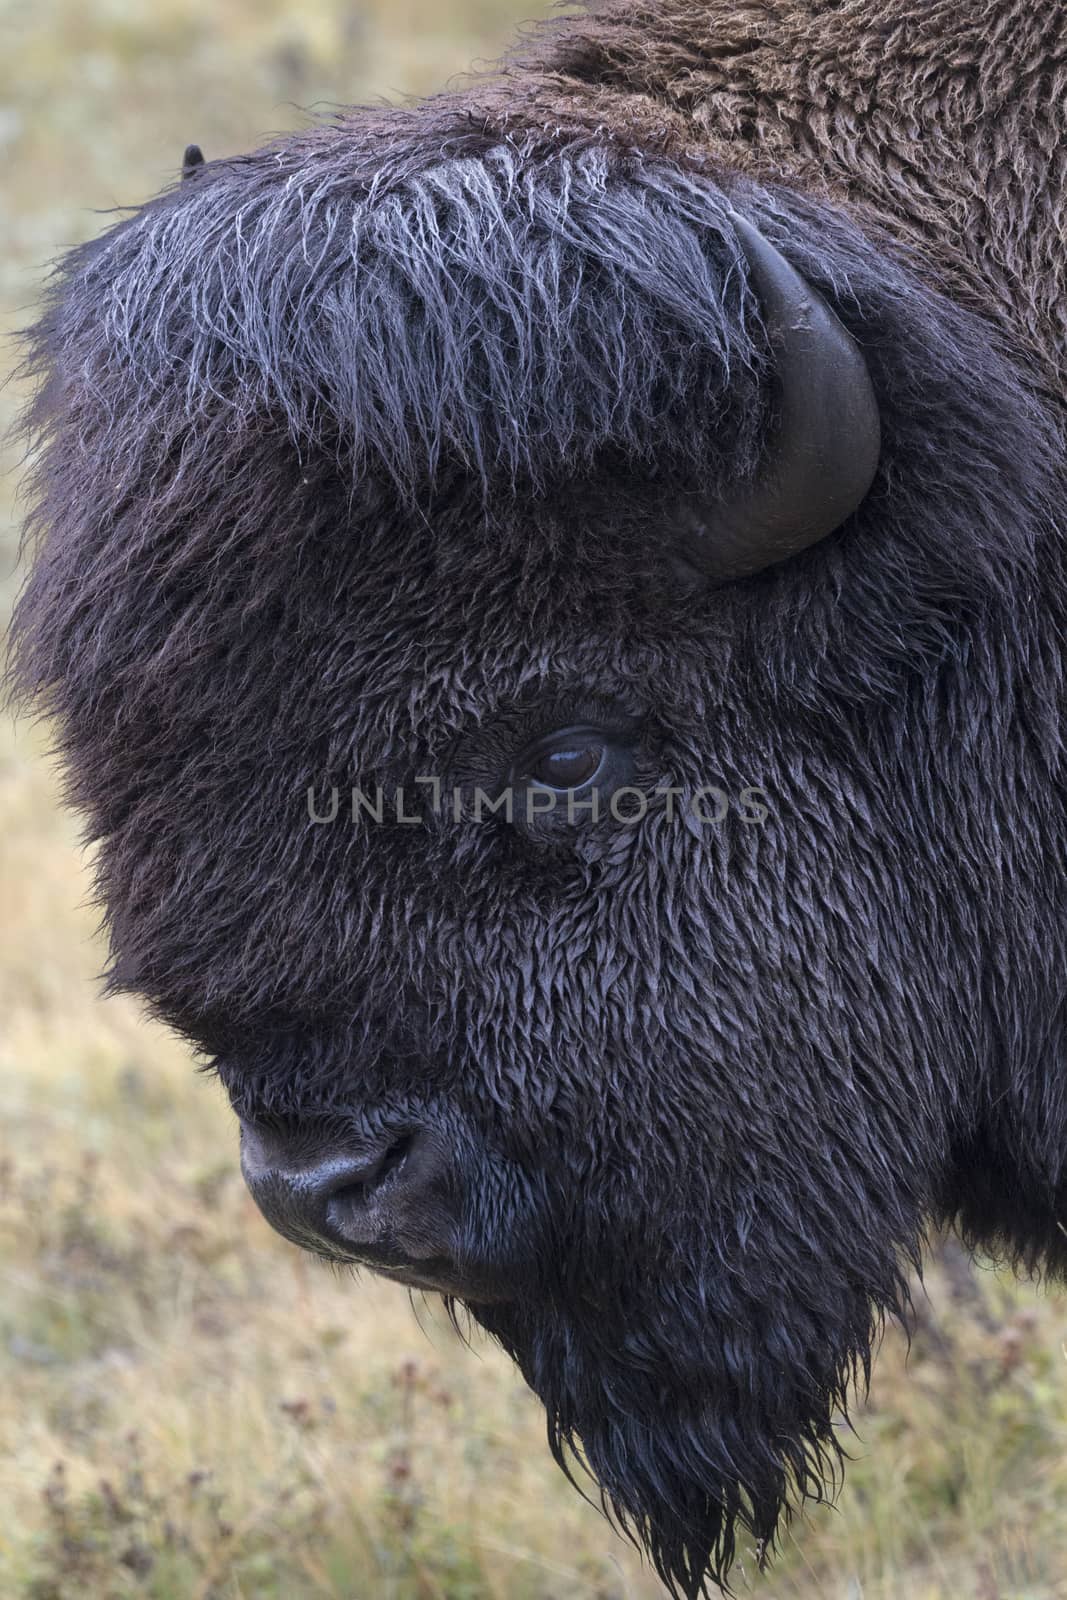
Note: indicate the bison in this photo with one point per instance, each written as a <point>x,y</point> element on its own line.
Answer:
<point>553,603</point>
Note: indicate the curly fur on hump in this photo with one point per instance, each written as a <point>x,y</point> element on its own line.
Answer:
<point>937,122</point>
<point>361,456</point>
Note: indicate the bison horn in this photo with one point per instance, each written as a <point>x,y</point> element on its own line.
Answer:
<point>823,455</point>
<point>192,160</point>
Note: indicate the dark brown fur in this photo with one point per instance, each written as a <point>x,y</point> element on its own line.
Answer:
<point>940,123</point>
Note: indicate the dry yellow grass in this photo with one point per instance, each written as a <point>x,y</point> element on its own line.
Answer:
<point>190,1410</point>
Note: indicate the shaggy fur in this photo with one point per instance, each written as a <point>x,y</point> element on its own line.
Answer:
<point>361,457</point>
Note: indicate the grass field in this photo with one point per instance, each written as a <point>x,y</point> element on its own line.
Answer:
<point>189,1409</point>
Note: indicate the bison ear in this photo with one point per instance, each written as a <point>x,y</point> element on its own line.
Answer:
<point>823,454</point>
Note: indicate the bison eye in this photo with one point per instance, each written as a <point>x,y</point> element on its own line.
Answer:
<point>569,760</point>
<point>569,776</point>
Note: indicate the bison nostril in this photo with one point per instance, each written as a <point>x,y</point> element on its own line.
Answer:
<point>357,1189</point>
<point>381,1205</point>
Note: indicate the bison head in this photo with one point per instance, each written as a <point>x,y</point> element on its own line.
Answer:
<point>406,493</point>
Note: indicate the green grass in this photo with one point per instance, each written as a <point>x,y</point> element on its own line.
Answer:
<point>189,1408</point>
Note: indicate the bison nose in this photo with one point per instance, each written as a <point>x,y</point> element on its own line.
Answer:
<point>390,1205</point>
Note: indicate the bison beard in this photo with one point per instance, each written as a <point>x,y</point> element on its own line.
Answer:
<point>359,451</point>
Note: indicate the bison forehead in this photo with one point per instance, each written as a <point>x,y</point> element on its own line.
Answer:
<point>510,315</point>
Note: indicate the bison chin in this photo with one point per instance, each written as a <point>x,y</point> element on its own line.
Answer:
<point>701,1413</point>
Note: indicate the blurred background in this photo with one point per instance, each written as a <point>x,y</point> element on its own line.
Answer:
<point>190,1409</point>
